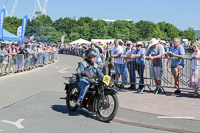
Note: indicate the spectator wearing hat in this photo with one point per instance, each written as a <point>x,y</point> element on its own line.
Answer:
<point>140,63</point>
<point>177,53</point>
<point>117,53</point>
<point>127,55</point>
<point>155,53</point>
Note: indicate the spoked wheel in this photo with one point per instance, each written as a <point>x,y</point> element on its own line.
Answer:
<point>72,97</point>
<point>107,108</point>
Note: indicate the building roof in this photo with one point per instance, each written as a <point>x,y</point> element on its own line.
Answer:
<point>197,33</point>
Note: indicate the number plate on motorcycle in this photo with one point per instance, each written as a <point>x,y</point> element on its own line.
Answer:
<point>106,80</point>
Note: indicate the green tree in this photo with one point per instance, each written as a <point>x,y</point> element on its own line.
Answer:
<point>65,25</point>
<point>147,30</point>
<point>122,29</point>
<point>98,29</point>
<point>85,31</point>
<point>44,20</point>
<point>11,24</point>
<point>43,27</point>
<point>82,20</point>
<point>74,36</point>
<point>133,33</point>
<point>169,31</point>
<point>190,34</point>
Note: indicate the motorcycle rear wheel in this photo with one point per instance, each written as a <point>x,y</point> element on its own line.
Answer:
<point>72,97</point>
<point>110,100</point>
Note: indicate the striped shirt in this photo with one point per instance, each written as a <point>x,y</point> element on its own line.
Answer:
<point>118,51</point>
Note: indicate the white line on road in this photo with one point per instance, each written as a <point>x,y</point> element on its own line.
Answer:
<point>17,123</point>
<point>63,70</point>
<point>174,117</point>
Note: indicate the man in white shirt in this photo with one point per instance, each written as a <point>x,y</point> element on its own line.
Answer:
<point>117,53</point>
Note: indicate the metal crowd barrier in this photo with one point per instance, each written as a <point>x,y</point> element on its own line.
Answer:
<point>74,51</point>
<point>20,62</point>
<point>184,74</point>
<point>1,64</point>
<point>49,57</point>
<point>31,64</point>
<point>53,56</point>
<point>167,79</point>
<point>40,59</point>
<point>20,59</point>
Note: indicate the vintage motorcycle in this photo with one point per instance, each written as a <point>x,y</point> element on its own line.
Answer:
<point>100,98</point>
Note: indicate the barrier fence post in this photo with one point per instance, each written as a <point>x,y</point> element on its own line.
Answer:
<point>1,59</point>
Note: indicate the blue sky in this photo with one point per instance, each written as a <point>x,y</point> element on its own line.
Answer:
<point>182,13</point>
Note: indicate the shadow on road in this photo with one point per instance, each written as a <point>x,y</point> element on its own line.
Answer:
<point>63,109</point>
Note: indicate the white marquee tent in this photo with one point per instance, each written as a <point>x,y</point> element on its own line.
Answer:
<point>102,40</point>
<point>80,41</point>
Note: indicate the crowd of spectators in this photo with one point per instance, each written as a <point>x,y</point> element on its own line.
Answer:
<point>122,59</point>
<point>16,58</point>
<point>131,58</point>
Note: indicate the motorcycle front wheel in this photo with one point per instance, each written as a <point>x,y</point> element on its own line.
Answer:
<point>107,107</point>
<point>72,97</point>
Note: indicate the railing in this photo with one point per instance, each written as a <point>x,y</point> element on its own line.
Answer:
<point>167,78</point>
<point>19,63</point>
<point>74,51</point>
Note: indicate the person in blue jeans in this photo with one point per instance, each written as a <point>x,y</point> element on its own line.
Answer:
<point>87,69</point>
<point>125,64</point>
<point>125,72</point>
<point>140,63</point>
<point>127,55</point>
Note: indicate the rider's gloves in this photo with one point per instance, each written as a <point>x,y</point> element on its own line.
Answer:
<point>89,75</point>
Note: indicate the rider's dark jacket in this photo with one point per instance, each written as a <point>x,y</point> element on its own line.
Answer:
<point>87,67</point>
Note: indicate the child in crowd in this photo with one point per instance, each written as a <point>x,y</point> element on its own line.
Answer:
<point>195,78</point>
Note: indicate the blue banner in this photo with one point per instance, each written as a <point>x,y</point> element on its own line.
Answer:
<point>24,23</point>
<point>2,16</point>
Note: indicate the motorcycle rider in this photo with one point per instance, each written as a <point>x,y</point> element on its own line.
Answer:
<point>87,70</point>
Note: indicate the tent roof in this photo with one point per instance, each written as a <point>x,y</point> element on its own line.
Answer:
<point>26,40</point>
<point>80,41</point>
<point>102,40</point>
<point>7,36</point>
